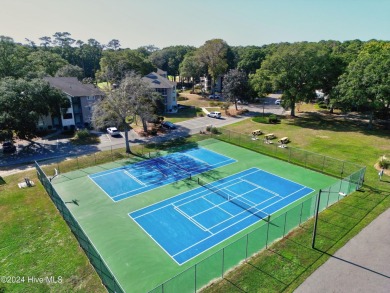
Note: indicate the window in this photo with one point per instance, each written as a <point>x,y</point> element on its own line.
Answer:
<point>91,98</point>
<point>67,116</point>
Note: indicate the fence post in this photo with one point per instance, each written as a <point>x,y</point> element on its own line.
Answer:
<point>223,260</point>
<point>195,278</point>
<point>300,216</point>
<point>266,241</point>
<point>246,249</point>
<point>342,170</point>
<point>77,159</point>
<point>285,221</point>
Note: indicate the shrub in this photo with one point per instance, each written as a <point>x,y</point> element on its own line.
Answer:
<point>181,98</point>
<point>201,114</point>
<point>259,119</point>
<point>208,128</point>
<point>82,134</point>
<point>214,130</point>
<point>384,162</point>
<point>273,119</point>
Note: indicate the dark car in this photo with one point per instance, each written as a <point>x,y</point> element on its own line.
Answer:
<point>168,125</point>
<point>8,147</point>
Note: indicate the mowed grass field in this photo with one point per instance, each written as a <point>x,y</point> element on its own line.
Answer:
<point>35,241</point>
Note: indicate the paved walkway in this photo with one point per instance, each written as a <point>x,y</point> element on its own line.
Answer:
<point>361,265</point>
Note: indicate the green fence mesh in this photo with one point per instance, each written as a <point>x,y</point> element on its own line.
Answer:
<point>215,265</point>
<point>103,271</point>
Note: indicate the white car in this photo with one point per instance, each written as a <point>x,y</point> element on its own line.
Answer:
<point>214,114</point>
<point>277,102</point>
<point>113,131</point>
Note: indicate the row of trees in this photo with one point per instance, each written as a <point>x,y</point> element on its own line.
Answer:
<point>353,74</point>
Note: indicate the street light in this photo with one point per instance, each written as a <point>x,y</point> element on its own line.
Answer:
<point>316,214</point>
<point>264,103</point>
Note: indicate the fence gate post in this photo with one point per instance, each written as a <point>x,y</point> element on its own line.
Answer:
<point>223,260</point>
<point>266,241</point>
<point>195,279</point>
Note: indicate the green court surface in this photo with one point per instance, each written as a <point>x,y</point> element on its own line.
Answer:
<point>137,262</point>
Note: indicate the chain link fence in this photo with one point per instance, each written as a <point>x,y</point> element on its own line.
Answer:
<point>93,255</point>
<point>222,261</point>
<point>218,264</point>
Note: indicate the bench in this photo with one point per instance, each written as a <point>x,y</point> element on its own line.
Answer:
<point>269,136</point>
<point>284,140</point>
<point>257,132</point>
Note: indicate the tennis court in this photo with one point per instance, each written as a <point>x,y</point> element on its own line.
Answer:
<point>189,224</point>
<point>129,180</point>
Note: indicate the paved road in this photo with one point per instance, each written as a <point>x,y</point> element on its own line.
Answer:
<point>361,265</point>
<point>53,148</point>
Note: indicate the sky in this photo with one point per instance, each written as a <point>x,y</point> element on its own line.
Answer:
<point>166,23</point>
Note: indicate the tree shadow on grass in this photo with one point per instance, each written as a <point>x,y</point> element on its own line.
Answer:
<point>335,123</point>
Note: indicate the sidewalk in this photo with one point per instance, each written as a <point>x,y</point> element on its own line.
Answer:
<point>361,265</point>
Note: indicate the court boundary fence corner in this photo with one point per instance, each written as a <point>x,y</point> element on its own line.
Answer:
<point>107,277</point>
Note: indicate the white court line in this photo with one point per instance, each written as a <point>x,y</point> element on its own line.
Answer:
<point>158,244</point>
<point>261,187</point>
<point>218,233</point>
<point>108,173</point>
<point>191,219</point>
<point>218,206</point>
<point>202,190</point>
<point>132,177</point>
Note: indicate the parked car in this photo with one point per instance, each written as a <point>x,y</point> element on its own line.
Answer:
<point>168,125</point>
<point>8,147</point>
<point>242,102</point>
<point>214,97</point>
<point>113,131</point>
<point>277,102</point>
<point>214,115</point>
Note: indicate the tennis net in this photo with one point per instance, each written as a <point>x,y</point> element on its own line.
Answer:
<point>182,170</point>
<point>249,208</point>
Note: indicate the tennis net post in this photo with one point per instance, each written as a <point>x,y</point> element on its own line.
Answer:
<point>251,209</point>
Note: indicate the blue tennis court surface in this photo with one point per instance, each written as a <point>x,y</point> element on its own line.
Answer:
<point>193,222</point>
<point>123,182</point>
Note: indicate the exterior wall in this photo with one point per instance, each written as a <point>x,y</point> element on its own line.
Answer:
<point>69,112</point>
<point>86,105</point>
<point>171,100</point>
<point>45,122</point>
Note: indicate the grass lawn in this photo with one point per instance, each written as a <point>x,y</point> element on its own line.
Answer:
<point>286,264</point>
<point>35,241</point>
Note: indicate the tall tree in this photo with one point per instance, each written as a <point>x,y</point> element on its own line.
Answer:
<point>296,69</point>
<point>12,58</point>
<point>114,44</point>
<point>132,97</point>
<point>169,58</point>
<point>250,59</point>
<point>23,103</point>
<point>45,62</point>
<point>214,54</point>
<point>366,82</point>
<point>235,86</point>
<point>191,68</point>
<point>70,71</point>
<point>116,64</point>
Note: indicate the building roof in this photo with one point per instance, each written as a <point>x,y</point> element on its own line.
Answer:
<point>73,87</point>
<point>157,81</point>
